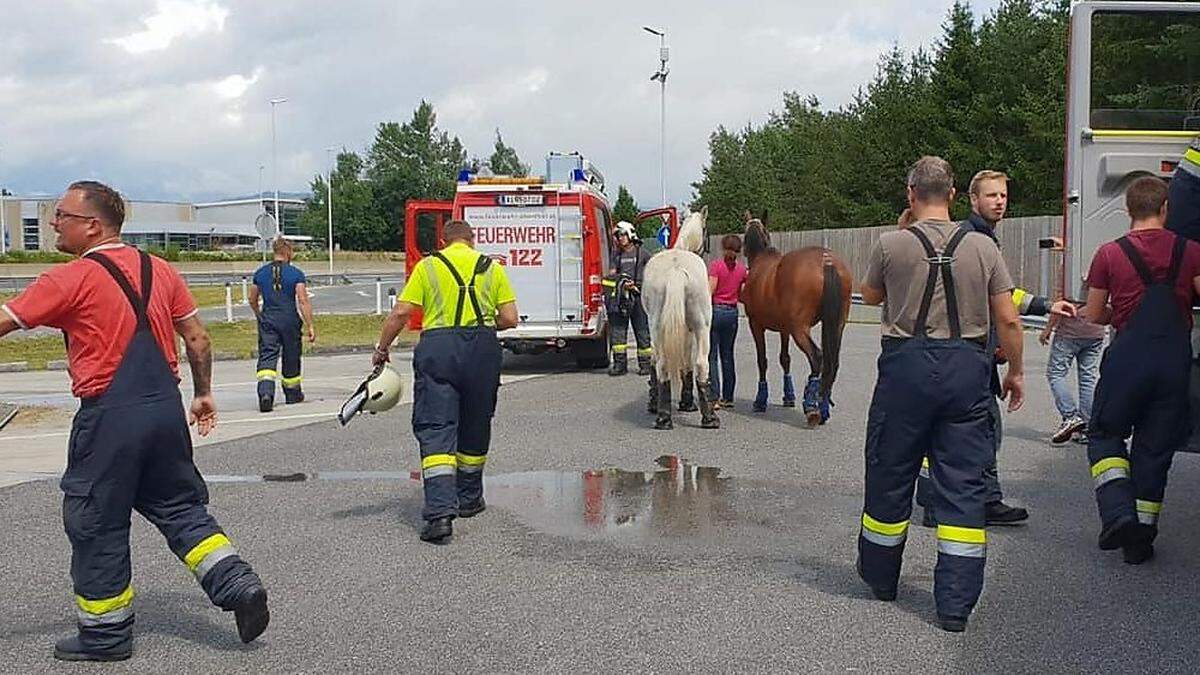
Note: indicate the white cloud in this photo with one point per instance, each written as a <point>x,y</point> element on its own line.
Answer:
<point>173,19</point>
<point>235,86</point>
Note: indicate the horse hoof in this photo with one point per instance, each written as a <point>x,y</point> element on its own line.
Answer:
<point>814,419</point>
<point>712,423</point>
<point>789,403</point>
<point>663,424</point>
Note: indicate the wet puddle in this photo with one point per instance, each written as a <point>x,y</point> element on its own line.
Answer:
<point>674,499</point>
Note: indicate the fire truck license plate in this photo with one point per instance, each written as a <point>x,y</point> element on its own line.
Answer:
<point>534,199</point>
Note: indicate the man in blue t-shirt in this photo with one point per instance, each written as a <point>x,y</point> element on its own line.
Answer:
<point>281,286</point>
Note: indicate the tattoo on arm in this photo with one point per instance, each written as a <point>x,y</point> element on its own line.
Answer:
<point>199,353</point>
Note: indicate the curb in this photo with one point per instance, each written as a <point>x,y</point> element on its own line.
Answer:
<point>14,367</point>
<point>59,364</point>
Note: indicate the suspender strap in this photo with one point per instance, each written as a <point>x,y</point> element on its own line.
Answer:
<point>466,290</point>
<point>1138,262</point>
<point>1176,259</point>
<point>147,272</point>
<point>936,261</point>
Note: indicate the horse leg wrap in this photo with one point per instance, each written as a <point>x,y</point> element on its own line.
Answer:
<point>663,420</point>
<point>687,399</point>
<point>708,416</point>
<point>823,408</point>
<point>652,405</point>
<point>812,391</point>
<point>760,401</point>
<point>789,391</point>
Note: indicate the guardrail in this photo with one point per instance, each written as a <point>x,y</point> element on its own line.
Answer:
<point>1032,322</point>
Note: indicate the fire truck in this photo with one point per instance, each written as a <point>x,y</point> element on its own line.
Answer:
<point>1133,106</point>
<point>553,234</point>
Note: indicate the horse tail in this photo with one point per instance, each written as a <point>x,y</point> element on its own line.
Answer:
<point>672,342</point>
<point>831,325</point>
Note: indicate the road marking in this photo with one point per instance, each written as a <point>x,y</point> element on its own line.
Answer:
<point>248,420</point>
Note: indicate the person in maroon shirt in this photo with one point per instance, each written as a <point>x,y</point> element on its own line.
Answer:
<point>1143,284</point>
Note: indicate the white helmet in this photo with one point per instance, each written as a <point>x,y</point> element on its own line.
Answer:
<point>379,392</point>
<point>626,228</point>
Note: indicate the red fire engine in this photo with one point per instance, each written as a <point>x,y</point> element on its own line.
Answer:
<point>553,235</point>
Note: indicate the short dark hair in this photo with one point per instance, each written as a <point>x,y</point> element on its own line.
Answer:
<point>456,230</point>
<point>732,242</point>
<point>1145,197</point>
<point>109,205</point>
<point>931,178</point>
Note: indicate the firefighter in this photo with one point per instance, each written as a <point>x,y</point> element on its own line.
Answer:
<point>942,284</point>
<point>1183,198</point>
<point>623,290</point>
<point>129,447</point>
<point>988,192</point>
<point>466,298</point>
<point>1143,284</point>
<point>282,287</point>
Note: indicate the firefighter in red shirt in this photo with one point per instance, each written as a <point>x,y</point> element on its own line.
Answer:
<point>130,448</point>
<point>1143,284</point>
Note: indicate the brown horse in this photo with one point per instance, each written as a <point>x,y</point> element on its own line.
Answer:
<point>789,294</point>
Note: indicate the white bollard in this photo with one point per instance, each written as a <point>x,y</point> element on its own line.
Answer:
<point>228,303</point>
<point>391,298</point>
<point>245,292</point>
<point>378,296</point>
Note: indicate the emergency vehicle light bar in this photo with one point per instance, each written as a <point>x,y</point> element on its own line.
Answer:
<point>465,176</point>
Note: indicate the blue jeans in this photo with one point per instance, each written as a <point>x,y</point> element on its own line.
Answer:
<point>1085,352</point>
<point>724,332</point>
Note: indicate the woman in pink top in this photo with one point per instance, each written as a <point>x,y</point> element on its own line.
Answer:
<point>726,276</point>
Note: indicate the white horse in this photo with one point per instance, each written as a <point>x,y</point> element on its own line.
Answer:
<point>678,305</point>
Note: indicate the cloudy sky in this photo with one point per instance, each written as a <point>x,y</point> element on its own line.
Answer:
<point>167,99</point>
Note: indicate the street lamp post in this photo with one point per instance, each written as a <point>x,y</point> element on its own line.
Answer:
<point>329,191</point>
<point>664,54</point>
<point>3,222</point>
<point>275,167</point>
<point>261,167</point>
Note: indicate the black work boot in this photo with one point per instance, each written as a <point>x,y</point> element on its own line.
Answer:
<point>687,397</point>
<point>251,613</point>
<point>952,624</point>
<point>291,396</point>
<point>266,395</point>
<point>472,509</point>
<point>884,594</point>
<point>663,420</point>
<point>619,365</point>
<point>1136,554</point>
<point>72,649</point>
<point>644,365</point>
<point>708,415</point>
<point>999,513</point>
<point>1126,532</point>
<point>437,531</point>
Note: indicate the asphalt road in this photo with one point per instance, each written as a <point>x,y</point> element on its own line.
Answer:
<point>744,566</point>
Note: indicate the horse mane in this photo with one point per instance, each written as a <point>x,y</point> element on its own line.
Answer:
<point>691,233</point>
<point>757,240</point>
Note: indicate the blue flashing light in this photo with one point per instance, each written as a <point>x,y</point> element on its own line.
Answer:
<point>577,176</point>
<point>464,176</point>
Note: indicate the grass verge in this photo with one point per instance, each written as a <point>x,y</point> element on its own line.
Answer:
<point>238,339</point>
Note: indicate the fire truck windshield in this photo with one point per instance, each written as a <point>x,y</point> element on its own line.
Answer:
<point>1145,71</point>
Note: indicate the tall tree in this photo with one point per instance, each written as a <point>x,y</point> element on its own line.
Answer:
<point>504,160</point>
<point>409,161</point>
<point>358,226</point>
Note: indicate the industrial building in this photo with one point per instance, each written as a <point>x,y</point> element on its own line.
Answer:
<point>228,223</point>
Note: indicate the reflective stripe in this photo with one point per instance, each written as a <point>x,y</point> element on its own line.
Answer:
<point>471,463</point>
<point>883,534</point>
<point>266,374</point>
<point>1148,511</point>
<point>292,382</point>
<point>115,616</point>
<point>438,307</point>
<point>438,465</point>
<point>1110,469</point>
<point>648,351</point>
<point>619,348</point>
<point>210,561</point>
<point>966,535</point>
<point>608,282</point>
<point>883,539</point>
<point>105,606</point>
<point>924,467</point>
<point>961,549</point>
<point>200,551</point>
<point>1192,158</point>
